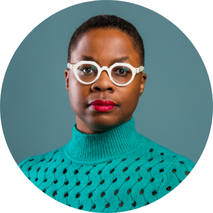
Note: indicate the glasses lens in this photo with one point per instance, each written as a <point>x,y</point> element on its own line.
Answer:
<point>121,74</point>
<point>87,72</point>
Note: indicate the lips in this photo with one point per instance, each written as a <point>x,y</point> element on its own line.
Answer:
<point>102,106</point>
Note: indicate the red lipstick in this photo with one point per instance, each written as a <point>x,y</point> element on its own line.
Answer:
<point>102,106</point>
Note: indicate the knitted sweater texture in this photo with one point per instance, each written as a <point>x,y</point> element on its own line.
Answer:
<point>113,171</point>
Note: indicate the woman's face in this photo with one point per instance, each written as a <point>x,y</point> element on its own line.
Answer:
<point>105,47</point>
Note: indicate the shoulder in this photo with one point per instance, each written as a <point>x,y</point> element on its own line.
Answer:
<point>176,171</point>
<point>168,168</point>
<point>36,163</point>
<point>168,158</point>
<point>175,167</point>
<point>160,152</point>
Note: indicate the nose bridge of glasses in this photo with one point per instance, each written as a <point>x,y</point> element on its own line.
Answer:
<point>104,68</point>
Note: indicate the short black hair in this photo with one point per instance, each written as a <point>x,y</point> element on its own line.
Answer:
<point>107,22</point>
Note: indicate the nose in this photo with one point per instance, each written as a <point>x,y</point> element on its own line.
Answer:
<point>103,83</point>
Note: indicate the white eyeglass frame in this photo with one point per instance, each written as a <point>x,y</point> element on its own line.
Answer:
<point>100,69</point>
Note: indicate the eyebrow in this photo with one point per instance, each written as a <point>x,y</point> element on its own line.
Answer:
<point>122,59</point>
<point>87,58</point>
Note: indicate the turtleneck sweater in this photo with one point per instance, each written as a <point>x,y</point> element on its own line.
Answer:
<point>113,171</point>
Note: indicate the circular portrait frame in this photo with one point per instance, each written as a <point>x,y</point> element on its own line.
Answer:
<point>146,131</point>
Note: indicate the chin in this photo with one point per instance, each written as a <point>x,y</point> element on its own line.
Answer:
<point>104,123</point>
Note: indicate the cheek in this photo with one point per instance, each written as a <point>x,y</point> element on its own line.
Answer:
<point>133,101</point>
<point>77,96</point>
<point>131,96</point>
<point>129,101</point>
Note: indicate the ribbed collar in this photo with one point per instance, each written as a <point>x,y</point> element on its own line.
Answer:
<point>102,146</point>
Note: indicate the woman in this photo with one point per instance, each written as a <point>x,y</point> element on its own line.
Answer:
<point>107,166</point>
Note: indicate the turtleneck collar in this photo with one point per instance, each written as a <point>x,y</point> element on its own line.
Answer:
<point>102,146</point>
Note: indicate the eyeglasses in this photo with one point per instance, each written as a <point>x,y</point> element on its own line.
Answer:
<point>121,74</point>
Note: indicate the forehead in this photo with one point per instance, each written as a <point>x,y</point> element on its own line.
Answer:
<point>105,45</point>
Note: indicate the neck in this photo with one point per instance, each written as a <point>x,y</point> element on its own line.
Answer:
<point>88,129</point>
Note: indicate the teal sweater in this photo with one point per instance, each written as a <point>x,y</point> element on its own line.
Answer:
<point>113,171</point>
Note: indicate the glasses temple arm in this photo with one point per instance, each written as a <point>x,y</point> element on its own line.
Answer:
<point>140,69</point>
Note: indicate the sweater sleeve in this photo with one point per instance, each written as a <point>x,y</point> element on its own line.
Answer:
<point>177,171</point>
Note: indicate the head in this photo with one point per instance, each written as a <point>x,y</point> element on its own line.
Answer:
<point>107,22</point>
<point>105,40</point>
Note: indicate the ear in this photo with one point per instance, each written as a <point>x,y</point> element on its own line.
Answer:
<point>142,83</point>
<point>66,73</point>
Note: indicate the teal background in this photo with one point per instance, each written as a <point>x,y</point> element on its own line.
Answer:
<point>175,109</point>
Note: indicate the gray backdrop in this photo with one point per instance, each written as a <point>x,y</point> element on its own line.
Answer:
<point>175,109</point>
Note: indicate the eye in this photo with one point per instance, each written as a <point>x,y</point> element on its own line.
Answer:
<point>87,69</point>
<point>121,71</point>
